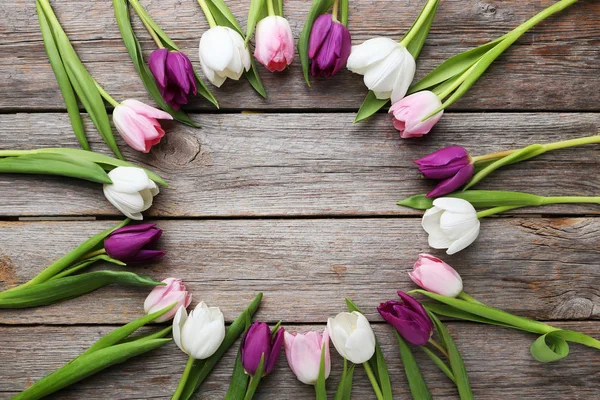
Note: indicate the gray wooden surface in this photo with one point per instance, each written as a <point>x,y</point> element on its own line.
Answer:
<point>299,203</point>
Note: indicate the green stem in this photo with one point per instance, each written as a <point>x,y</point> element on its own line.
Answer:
<point>16,153</point>
<point>105,95</point>
<point>184,378</point>
<point>539,17</point>
<point>373,380</point>
<point>419,23</point>
<point>438,346</point>
<point>209,17</point>
<point>334,11</point>
<point>570,200</point>
<point>492,156</point>
<point>344,12</point>
<point>457,83</point>
<point>495,210</point>
<point>93,254</point>
<point>466,297</point>
<point>270,8</point>
<point>138,9</point>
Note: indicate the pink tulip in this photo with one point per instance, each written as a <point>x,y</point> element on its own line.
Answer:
<point>163,296</point>
<point>434,275</point>
<point>274,43</point>
<point>137,124</point>
<point>303,352</point>
<point>410,111</point>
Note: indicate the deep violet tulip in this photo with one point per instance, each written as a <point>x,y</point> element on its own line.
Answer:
<point>409,318</point>
<point>174,75</point>
<point>452,166</point>
<point>258,341</point>
<point>329,46</point>
<point>134,243</point>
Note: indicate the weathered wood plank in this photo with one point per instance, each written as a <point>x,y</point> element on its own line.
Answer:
<point>498,362</point>
<point>555,67</point>
<point>298,164</point>
<point>540,268</point>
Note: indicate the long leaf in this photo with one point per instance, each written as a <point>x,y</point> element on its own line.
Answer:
<point>255,380</point>
<point>85,263</point>
<point>415,46</point>
<point>439,363</point>
<point>452,312</point>
<point>320,388</point>
<point>62,78</point>
<point>479,199</point>
<point>255,12</point>
<point>416,383</point>
<point>370,106</point>
<point>239,379</point>
<point>317,8</point>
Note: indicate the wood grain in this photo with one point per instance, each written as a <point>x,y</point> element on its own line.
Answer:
<point>554,67</point>
<point>297,164</point>
<point>539,268</point>
<point>498,362</point>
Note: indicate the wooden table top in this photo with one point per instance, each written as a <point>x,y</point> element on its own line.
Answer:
<point>295,200</point>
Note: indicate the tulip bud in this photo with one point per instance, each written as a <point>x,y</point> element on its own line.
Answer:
<point>410,111</point>
<point>131,191</point>
<point>138,125</point>
<point>223,54</point>
<point>303,353</point>
<point>451,165</point>
<point>134,243</point>
<point>163,296</point>
<point>329,46</point>
<point>451,224</point>
<point>259,341</point>
<point>409,318</point>
<point>174,74</point>
<point>200,334</point>
<point>352,336</point>
<point>434,275</point>
<point>387,66</point>
<point>274,43</point>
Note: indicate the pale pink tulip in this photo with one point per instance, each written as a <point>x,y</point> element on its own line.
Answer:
<point>434,275</point>
<point>137,124</point>
<point>410,111</point>
<point>163,296</point>
<point>274,43</point>
<point>303,353</point>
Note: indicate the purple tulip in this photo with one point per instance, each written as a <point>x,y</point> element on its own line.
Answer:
<point>451,165</point>
<point>258,341</point>
<point>134,243</point>
<point>329,46</point>
<point>409,318</point>
<point>174,74</point>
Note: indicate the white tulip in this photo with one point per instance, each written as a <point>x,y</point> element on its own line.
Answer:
<point>451,224</point>
<point>131,191</point>
<point>387,66</point>
<point>352,336</point>
<point>200,334</point>
<point>223,54</point>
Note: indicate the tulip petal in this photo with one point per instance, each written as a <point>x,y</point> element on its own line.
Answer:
<point>451,184</point>
<point>306,359</point>
<point>370,52</point>
<point>178,324</point>
<point>382,76</point>
<point>146,110</point>
<point>318,34</point>
<point>465,240</point>
<point>454,205</point>
<point>156,63</point>
<point>405,77</point>
<point>127,203</point>
<point>216,48</point>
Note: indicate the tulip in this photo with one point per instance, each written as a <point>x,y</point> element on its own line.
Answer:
<point>131,191</point>
<point>174,74</point>
<point>274,43</point>
<point>409,318</point>
<point>452,165</point>
<point>434,275</point>
<point>163,296</point>
<point>138,125</point>
<point>410,111</point>
<point>259,342</point>
<point>223,54</point>
<point>352,336</point>
<point>134,243</point>
<point>451,224</point>
<point>387,66</point>
<point>329,46</point>
<point>303,353</point>
<point>200,334</point>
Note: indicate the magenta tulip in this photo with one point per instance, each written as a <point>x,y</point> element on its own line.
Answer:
<point>134,243</point>
<point>434,275</point>
<point>329,46</point>
<point>409,318</point>
<point>259,341</point>
<point>137,124</point>
<point>303,353</point>
<point>274,43</point>
<point>410,111</point>
<point>451,165</point>
<point>174,75</point>
<point>163,296</point>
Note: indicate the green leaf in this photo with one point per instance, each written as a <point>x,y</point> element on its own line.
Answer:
<point>223,16</point>
<point>479,199</point>
<point>456,362</point>
<point>62,78</point>
<point>87,365</point>
<point>344,389</point>
<point>149,336</point>
<point>254,79</point>
<point>452,312</point>
<point>255,379</point>
<point>85,263</point>
<point>255,13</point>
<point>320,388</point>
<point>416,43</point>
<point>548,348</point>
<point>370,106</point>
<point>278,7</point>
<point>148,21</point>
<point>317,8</point>
<point>239,379</point>
<point>416,383</point>
<point>439,363</point>
<point>202,369</point>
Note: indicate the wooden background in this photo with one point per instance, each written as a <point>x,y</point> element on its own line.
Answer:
<point>296,201</point>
